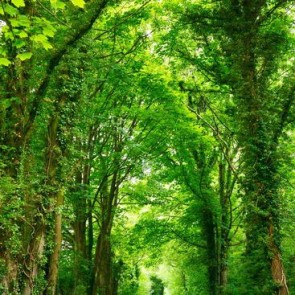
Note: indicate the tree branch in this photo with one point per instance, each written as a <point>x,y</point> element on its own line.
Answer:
<point>56,59</point>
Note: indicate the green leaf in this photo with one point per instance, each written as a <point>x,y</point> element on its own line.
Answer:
<point>14,22</point>
<point>18,3</point>
<point>9,9</point>
<point>56,4</point>
<point>48,32</point>
<point>23,34</point>
<point>24,21</point>
<point>42,39</point>
<point>79,3</point>
<point>18,43</point>
<point>4,61</point>
<point>24,56</point>
<point>39,38</point>
<point>5,103</point>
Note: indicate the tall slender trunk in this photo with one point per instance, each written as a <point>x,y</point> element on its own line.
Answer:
<point>89,231</point>
<point>55,194</point>
<point>226,186</point>
<point>54,258</point>
<point>34,255</point>
<point>210,231</point>
<point>209,222</point>
<point>102,277</point>
<point>80,231</point>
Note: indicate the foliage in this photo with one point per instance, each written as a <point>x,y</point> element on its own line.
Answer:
<point>146,147</point>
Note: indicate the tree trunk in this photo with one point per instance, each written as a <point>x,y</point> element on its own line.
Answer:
<point>35,246</point>
<point>79,225</point>
<point>262,200</point>
<point>34,254</point>
<point>12,147</point>
<point>102,281</point>
<point>54,259</point>
<point>117,270</point>
<point>209,231</point>
<point>89,231</point>
<point>8,284</point>
<point>277,269</point>
<point>226,186</point>
<point>209,222</point>
<point>82,259</point>
<point>55,194</point>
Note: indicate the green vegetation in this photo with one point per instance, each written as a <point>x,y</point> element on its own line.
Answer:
<point>147,147</point>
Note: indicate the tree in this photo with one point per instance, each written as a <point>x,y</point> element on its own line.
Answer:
<point>237,44</point>
<point>24,33</point>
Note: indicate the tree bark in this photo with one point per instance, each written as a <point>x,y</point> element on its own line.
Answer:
<point>227,183</point>
<point>54,258</point>
<point>80,231</point>
<point>210,233</point>
<point>34,253</point>
<point>224,230</point>
<point>277,269</point>
<point>8,284</point>
<point>102,281</point>
<point>210,227</point>
<point>55,193</point>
